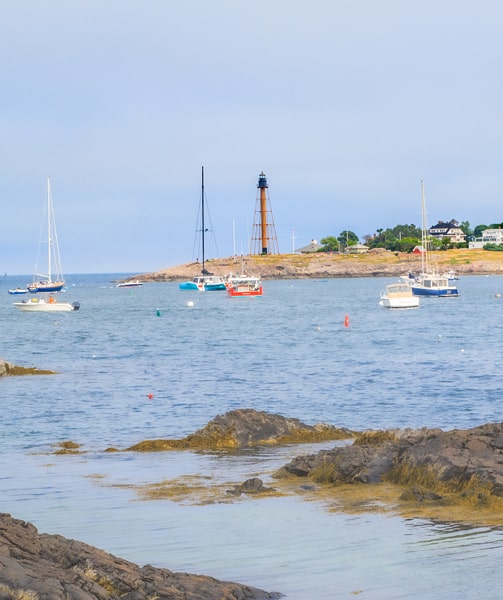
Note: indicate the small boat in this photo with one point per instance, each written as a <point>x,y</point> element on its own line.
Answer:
<point>451,275</point>
<point>206,282</point>
<point>244,285</point>
<point>430,283</point>
<point>433,284</point>
<point>52,280</point>
<point>129,284</point>
<point>18,290</point>
<point>46,304</point>
<point>399,295</point>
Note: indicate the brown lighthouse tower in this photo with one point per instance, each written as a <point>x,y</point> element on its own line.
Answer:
<point>263,240</point>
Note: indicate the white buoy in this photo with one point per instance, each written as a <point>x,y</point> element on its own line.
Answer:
<point>462,349</point>
<point>498,295</point>
<point>190,303</point>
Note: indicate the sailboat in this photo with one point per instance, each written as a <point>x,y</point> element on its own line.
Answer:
<point>52,280</point>
<point>206,282</point>
<point>429,282</point>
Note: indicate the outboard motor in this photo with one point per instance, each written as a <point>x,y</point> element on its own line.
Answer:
<point>76,305</point>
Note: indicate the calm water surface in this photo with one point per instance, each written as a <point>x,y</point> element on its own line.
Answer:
<point>288,353</point>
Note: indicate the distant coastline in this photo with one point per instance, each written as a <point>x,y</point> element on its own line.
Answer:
<point>323,265</point>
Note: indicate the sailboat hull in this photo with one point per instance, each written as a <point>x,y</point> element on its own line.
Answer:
<point>449,292</point>
<point>33,288</point>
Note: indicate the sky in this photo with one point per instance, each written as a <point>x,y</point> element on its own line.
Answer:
<point>345,105</point>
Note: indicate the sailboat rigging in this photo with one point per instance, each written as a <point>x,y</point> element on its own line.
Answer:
<point>206,281</point>
<point>52,280</point>
<point>429,282</point>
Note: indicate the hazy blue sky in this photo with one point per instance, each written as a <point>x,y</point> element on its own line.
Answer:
<point>344,104</point>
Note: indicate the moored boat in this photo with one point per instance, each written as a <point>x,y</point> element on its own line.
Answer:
<point>244,285</point>
<point>52,280</point>
<point>399,295</point>
<point>43,304</point>
<point>206,282</point>
<point>429,282</point>
<point>18,290</point>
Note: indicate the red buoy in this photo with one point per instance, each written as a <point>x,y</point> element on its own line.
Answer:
<point>346,321</point>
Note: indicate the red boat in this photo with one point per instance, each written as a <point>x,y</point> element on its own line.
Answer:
<point>243,285</point>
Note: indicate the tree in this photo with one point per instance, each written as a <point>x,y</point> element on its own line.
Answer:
<point>477,232</point>
<point>330,244</point>
<point>466,229</point>
<point>348,238</point>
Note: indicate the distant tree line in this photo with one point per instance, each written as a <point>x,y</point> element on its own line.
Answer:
<point>404,238</point>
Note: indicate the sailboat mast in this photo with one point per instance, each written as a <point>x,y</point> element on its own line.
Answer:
<point>49,235</point>
<point>424,239</point>
<point>202,213</point>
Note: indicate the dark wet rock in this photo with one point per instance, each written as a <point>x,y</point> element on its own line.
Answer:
<point>50,567</point>
<point>246,428</point>
<point>456,456</point>
<point>419,494</point>
<point>250,486</point>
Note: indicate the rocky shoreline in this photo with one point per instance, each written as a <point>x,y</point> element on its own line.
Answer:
<point>322,265</point>
<point>39,566</point>
<point>431,470</point>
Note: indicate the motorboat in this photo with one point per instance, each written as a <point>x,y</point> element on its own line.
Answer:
<point>129,284</point>
<point>399,295</point>
<point>18,290</point>
<point>244,285</point>
<point>43,304</point>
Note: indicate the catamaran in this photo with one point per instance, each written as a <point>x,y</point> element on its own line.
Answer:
<point>206,282</point>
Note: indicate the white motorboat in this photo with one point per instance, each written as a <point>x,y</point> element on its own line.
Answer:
<point>43,304</point>
<point>129,284</point>
<point>399,295</point>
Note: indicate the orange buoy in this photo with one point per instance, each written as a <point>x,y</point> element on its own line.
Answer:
<point>150,396</point>
<point>346,321</point>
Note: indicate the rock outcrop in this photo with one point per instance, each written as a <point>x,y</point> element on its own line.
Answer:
<point>454,458</point>
<point>246,428</point>
<point>37,566</point>
<point>7,369</point>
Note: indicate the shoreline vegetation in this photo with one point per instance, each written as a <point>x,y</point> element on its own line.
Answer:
<point>321,265</point>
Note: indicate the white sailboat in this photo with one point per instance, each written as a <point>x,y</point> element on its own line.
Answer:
<point>52,280</point>
<point>429,282</point>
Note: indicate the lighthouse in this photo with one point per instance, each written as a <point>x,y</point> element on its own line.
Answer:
<point>264,240</point>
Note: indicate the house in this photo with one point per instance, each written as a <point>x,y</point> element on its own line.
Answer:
<point>357,249</point>
<point>489,236</point>
<point>418,250</point>
<point>312,247</point>
<point>450,230</point>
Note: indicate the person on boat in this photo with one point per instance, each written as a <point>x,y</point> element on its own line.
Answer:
<point>51,300</point>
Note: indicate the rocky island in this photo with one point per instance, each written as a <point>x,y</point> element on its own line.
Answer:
<point>376,263</point>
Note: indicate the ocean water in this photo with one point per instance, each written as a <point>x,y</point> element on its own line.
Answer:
<point>287,352</point>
